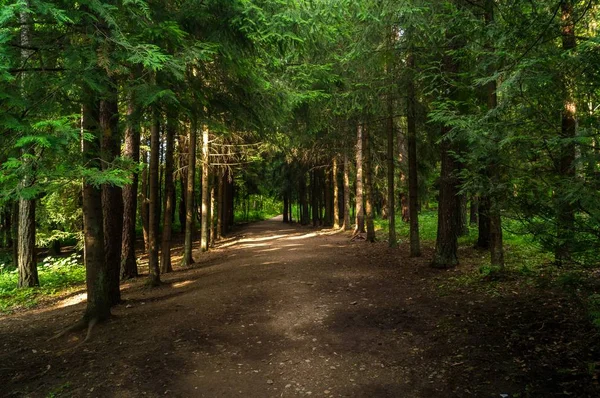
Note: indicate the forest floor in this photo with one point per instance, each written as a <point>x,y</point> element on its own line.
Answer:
<point>282,311</point>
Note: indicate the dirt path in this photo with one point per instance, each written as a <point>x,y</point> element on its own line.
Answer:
<point>284,311</point>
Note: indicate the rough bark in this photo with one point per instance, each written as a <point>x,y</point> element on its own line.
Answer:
<point>27,263</point>
<point>286,218</point>
<point>168,201</point>
<point>145,205</point>
<point>346,225</point>
<point>473,210</point>
<point>496,243</point>
<point>131,151</point>
<point>360,216</point>
<point>211,212</point>
<point>368,186</point>
<point>564,163</point>
<point>154,204</point>
<point>112,196</point>
<point>462,220</point>
<point>391,199</point>
<point>205,189</point>
<point>303,203</point>
<point>336,194</point>
<point>97,270</point>
<point>26,255</point>
<point>220,203</point>
<point>189,197</point>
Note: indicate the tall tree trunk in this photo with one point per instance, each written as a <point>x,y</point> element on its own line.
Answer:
<point>483,237</point>
<point>303,204</point>
<point>286,218</point>
<point>15,233</point>
<point>97,270</point>
<point>336,194</point>
<point>212,212</point>
<point>346,226</point>
<point>220,203</point>
<point>183,154</point>
<point>28,274</point>
<point>112,196</point>
<point>189,197</point>
<point>26,255</point>
<point>391,200</point>
<point>153,219</point>
<point>368,186</point>
<point>462,220</point>
<point>360,216</point>
<point>169,202</point>
<point>413,183</point>
<point>132,151</point>
<point>446,246</point>
<point>328,199</point>
<point>205,190</point>
<point>473,210</point>
<point>564,164</point>
<point>145,205</point>
<point>496,243</point>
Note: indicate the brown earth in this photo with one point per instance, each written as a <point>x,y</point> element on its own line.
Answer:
<point>284,311</point>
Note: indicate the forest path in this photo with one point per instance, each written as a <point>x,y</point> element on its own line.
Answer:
<point>285,311</point>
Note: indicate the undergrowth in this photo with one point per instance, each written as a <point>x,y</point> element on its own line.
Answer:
<point>56,275</point>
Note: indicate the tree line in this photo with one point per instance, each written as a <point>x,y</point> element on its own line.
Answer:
<point>172,112</point>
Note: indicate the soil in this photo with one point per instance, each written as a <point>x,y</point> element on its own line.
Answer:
<point>284,311</point>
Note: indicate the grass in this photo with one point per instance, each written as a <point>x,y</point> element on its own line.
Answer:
<point>56,275</point>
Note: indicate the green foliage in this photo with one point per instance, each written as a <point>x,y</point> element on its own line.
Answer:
<point>57,274</point>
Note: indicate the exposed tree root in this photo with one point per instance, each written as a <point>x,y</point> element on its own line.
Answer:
<point>82,324</point>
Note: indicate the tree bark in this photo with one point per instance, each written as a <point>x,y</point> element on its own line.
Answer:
<point>153,217</point>
<point>564,164</point>
<point>413,183</point>
<point>336,194</point>
<point>132,151</point>
<point>220,203</point>
<point>496,243</point>
<point>145,205</point>
<point>169,202</point>
<point>303,204</point>
<point>189,197</point>
<point>205,190</point>
<point>26,255</point>
<point>286,218</point>
<point>112,196</point>
<point>391,197</point>
<point>473,210</point>
<point>368,186</point>
<point>97,270</point>
<point>212,212</point>
<point>360,216</point>
<point>346,226</point>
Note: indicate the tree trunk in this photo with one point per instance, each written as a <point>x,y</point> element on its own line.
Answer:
<point>462,220</point>
<point>130,191</point>
<point>212,212</point>
<point>153,218</point>
<point>473,210</point>
<point>28,274</point>
<point>169,202</point>
<point>496,243</point>
<point>303,204</point>
<point>446,246</point>
<point>360,216</point>
<point>112,195</point>
<point>391,199</point>
<point>336,194</point>
<point>328,198</point>
<point>564,164</point>
<point>145,205</point>
<point>285,208</point>
<point>26,255</point>
<point>220,203</point>
<point>368,186</point>
<point>346,226</point>
<point>189,197</point>
<point>15,233</point>
<point>205,190</point>
<point>97,270</point>
<point>183,154</point>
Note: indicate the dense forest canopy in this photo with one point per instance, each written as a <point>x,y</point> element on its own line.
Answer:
<point>187,116</point>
